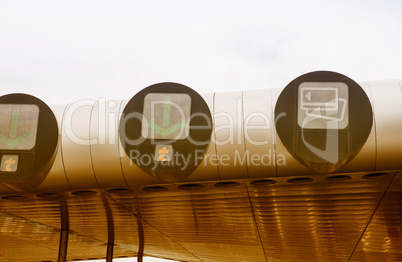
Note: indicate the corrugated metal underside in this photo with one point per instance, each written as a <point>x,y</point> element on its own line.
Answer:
<point>354,220</point>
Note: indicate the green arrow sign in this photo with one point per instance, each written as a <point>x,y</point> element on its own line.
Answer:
<point>166,121</point>
<point>18,126</point>
<point>175,111</point>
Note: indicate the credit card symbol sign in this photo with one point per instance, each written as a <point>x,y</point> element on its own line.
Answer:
<point>321,103</point>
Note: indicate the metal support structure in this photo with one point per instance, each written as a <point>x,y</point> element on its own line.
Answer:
<point>110,230</point>
<point>109,252</point>
<point>64,232</point>
<point>141,240</point>
<point>140,253</point>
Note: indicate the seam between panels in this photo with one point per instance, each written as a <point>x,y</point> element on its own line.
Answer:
<point>274,138</point>
<point>372,215</point>
<point>374,125</point>
<point>214,130</point>
<point>244,133</point>
<point>154,227</point>
<point>61,145</point>
<point>256,224</point>
<point>90,144</point>
<point>119,144</point>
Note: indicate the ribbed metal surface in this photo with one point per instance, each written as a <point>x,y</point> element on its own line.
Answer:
<point>382,239</point>
<point>319,221</point>
<point>315,221</point>
<point>214,224</point>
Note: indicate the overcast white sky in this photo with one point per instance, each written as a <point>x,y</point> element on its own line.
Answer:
<point>63,51</point>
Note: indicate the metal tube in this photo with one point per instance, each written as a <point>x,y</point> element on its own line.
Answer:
<point>64,232</point>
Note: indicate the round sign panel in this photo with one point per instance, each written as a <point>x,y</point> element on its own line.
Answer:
<point>323,119</point>
<point>28,139</point>
<point>165,129</point>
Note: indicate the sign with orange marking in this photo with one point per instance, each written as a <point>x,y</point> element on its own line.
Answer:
<point>163,153</point>
<point>9,163</point>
